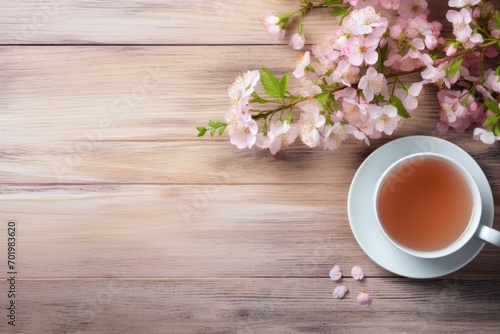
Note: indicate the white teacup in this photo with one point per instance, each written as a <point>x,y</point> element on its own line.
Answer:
<point>473,230</point>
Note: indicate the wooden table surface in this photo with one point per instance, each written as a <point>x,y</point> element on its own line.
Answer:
<point>128,223</point>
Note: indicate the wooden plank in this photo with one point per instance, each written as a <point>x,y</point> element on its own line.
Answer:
<point>254,306</point>
<point>155,22</point>
<point>146,22</point>
<point>121,93</point>
<point>180,162</point>
<point>190,231</point>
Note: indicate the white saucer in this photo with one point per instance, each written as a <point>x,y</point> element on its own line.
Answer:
<point>362,213</point>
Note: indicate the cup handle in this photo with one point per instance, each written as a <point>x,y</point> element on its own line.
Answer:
<point>488,234</point>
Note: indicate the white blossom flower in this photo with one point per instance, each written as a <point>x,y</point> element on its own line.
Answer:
<point>297,41</point>
<point>462,3</point>
<point>335,134</point>
<point>372,83</point>
<point>281,135</point>
<point>335,273</point>
<point>339,291</point>
<point>492,81</point>
<point>387,118</point>
<point>271,23</point>
<point>302,64</point>
<point>243,85</point>
<point>357,273</point>
<point>485,136</point>
<point>345,73</point>
<point>309,131</point>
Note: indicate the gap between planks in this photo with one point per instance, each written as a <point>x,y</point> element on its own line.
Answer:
<point>176,279</point>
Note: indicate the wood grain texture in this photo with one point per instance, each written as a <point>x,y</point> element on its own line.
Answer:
<point>271,305</point>
<point>155,22</point>
<point>129,223</point>
<point>183,231</point>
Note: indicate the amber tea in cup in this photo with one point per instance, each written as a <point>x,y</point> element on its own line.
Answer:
<point>425,203</point>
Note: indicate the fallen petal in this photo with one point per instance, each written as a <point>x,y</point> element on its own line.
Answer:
<point>364,299</point>
<point>357,273</point>
<point>339,292</point>
<point>335,273</point>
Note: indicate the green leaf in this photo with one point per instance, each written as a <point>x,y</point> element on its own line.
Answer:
<point>497,18</point>
<point>271,83</point>
<point>213,124</point>
<point>289,119</point>
<point>496,130</point>
<point>339,11</point>
<point>284,84</point>
<point>257,99</point>
<point>212,131</point>
<point>330,3</point>
<point>455,66</point>
<point>323,99</point>
<point>493,106</point>
<point>221,130</point>
<point>378,98</point>
<point>201,131</point>
<point>491,120</point>
<point>335,104</point>
<point>382,54</point>
<point>395,101</point>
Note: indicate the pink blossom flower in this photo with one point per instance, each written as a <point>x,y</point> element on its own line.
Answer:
<point>485,136</point>
<point>357,273</point>
<point>310,88</point>
<point>431,42</point>
<point>335,273</point>
<point>309,131</point>
<point>361,136</point>
<point>243,85</point>
<point>484,92</point>
<point>335,134</point>
<point>345,74</point>
<point>280,136</point>
<point>329,51</point>
<point>358,49</point>
<point>242,132</point>
<point>491,51</point>
<point>373,83</point>
<point>271,22</point>
<point>438,75</point>
<point>302,64</point>
<point>450,49</point>
<point>442,127</point>
<point>297,41</point>
<point>387,118</point>
<point>492,81</point>
<point>364,299</point>
<point>472,41</point>
<point>389,4</point>
<point>453,112</point>
<point>462,3</point>
<point>339,291</point>
<point>460,20</point>
<point>413,8</point>
<point>363,21</point>
<point>411,99</point>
